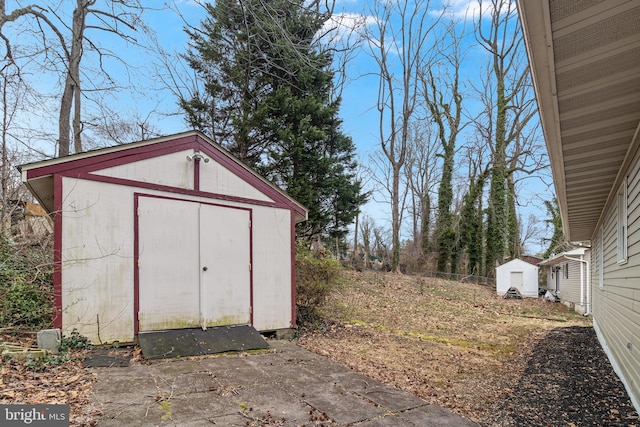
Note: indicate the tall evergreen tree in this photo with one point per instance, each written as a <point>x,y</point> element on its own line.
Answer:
<point>267,97</point>
<point>226,54</point>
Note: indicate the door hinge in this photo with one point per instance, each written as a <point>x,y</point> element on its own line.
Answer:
<point>249,223</point>
<point>249,266</point>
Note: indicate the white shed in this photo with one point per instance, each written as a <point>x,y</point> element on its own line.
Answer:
<point>167,233</point>
<point>519,274</point>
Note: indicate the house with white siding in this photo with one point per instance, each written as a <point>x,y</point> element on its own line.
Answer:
<point>569,278</point>
<point>585,62</point>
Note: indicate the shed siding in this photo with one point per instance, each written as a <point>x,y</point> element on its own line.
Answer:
<point>98,260</point>
<point>215,178</point>
<point>529,277</point>
<point>272,268</point>
<point>616,307</point>
<point>171,170</point>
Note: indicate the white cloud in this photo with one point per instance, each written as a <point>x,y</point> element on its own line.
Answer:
<point>345,27</point>
<point>469,9</point>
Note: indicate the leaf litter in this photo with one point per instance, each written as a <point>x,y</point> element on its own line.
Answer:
<point>463,347</point>
<point>460,346</point>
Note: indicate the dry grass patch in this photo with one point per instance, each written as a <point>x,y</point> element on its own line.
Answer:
<point>454,344</point>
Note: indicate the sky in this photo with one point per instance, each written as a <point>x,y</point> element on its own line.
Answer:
<point>145,92</point>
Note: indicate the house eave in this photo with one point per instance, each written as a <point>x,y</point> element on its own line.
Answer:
<point>585,63</point>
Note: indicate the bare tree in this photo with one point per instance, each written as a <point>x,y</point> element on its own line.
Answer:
<point>510,108</point>
<point>121,18</point>
<point>444,98</point>
<point>421,174</point>
<point>367,226</point>
<point>61,39</point>
<point>8,109</point>
<point>398,44</point>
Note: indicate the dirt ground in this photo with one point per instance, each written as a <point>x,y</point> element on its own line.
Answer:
<point>463,347</point>
<point>497,362</point>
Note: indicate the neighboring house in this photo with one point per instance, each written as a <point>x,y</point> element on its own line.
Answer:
<point>517,274</point>
<point>585,62</point>
<point>569,278</point>
<point>532,259</point>
<point>34,221</point>
<point>167,233</point>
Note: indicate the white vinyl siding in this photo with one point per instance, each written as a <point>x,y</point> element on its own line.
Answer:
<point>600,258</point>
<point>568,276</point>
<point>622,223</point>
<point>616,301</point>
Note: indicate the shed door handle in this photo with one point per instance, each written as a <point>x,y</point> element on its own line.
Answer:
<point>204,268</point>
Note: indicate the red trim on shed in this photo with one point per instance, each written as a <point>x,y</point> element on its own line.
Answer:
<point>83,163</point>
<point>251,263</point>
<point>114,158</point>
<point>136,263</point>
<point>196,174</point>
<point>175,190</point>
<point>293,270</point>
<point>57,252</point>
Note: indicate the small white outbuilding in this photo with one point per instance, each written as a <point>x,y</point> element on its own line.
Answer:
<point>167,233</point>
<point>518,274</point>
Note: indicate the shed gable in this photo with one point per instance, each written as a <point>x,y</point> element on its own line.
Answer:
<point>165,164</point>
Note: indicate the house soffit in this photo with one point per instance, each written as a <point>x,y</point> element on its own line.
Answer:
<point>586,65</point>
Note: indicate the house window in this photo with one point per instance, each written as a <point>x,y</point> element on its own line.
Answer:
<point>601,259</point>
<point>622,223</point>
<point>565,270</point>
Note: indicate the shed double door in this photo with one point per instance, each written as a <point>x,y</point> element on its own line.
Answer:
<point>193,265</point>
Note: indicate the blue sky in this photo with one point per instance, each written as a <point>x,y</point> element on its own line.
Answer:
<point>144,92</point>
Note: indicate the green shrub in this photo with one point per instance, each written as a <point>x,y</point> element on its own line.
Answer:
<point>70,347</point>
<point>316,278</point>
<point>26,290</point>
<point>75,341</point>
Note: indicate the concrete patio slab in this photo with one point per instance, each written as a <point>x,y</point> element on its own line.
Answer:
<point>286,385</point>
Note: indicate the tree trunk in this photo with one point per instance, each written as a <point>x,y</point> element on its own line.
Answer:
<point>71,93</point>
<point>5,226</point>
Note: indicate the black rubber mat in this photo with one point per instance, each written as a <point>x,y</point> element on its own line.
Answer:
<point>107,357</point>
<point>196,342</point>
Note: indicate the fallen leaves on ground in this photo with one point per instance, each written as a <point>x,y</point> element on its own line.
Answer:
<point>456,345</point>
<point>66,383</point>
<point>495,361</point>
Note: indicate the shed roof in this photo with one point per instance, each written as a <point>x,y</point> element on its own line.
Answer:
<point>585,61</point>
<point>39,176</point>
<point>517,263</point>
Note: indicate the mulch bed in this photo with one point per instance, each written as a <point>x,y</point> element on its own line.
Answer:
<point>568,381</point>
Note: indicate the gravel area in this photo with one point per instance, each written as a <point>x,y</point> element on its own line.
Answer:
<point>568,381</point>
